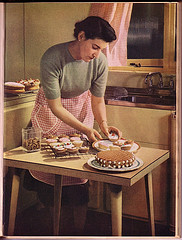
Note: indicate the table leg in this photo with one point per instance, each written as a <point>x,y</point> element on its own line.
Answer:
<point>13,202</point>
<point>150,203</point>
<point>57,203</point>
<point>116,209</point>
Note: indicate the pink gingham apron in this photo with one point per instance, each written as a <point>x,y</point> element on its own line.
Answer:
<point>43,118</point>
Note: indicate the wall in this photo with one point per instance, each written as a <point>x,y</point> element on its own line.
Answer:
<point>14,55</point>
<point>31,28</point>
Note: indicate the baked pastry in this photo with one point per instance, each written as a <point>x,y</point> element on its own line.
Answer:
<point>55,144</point>
<point>30,84</point>
<point>72,150</point>
<point>64,139</point>
<point>13,87</point>
<point>63,136</point>
<point>78,143</point>
<point>119,142</point>
<point>75,135</point>
<point>51,140</point>
<point>60,150</point>
<point>51,137</point>
<point>103,145</point>
<point>84,149</point>
<point>68,145</point>
<point>114,147</point>
<point>127,145</point>
<point>113,137</point>
<point>75,139</point>
<point>115,158</point>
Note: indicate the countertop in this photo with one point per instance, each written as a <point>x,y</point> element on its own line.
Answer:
<point>111,100</point>
<point>11,100</point>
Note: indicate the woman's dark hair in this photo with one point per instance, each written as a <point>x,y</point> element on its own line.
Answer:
<point>95,27</point>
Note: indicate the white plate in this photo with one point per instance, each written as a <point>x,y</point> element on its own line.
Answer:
<point>137,164</point>
<point>134,147</point>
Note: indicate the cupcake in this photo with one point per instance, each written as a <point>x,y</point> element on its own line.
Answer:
<point>113,137</point>
<point>84,149</point>
<point>60,150</point>
<point>52,137</point>
<point>75,135</point>
<point>72,139</point>
<point>78,143</point>
<point>51,140</point>
<point>114,147</point>
<point>63,136</point>
<point>64,139</point>
<point>68,145</point>
<point>72,150</point>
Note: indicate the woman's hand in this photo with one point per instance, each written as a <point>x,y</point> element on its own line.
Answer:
<point>108,129</point>
<point>92,135</point>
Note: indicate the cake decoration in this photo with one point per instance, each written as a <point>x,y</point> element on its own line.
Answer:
<point>115,158</point>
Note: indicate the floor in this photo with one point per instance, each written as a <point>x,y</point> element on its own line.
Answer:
<point>36,221</point>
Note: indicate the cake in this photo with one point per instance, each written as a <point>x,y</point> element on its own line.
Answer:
<point>13,87</point>
<point>30,84</point>
<point>115,158</point>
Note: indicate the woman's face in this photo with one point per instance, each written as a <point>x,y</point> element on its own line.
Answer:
<point>91,48</point>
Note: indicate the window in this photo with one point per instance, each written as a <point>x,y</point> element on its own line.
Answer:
<point>151,38</point>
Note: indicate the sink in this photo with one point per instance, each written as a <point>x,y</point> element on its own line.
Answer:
<point>137,95</point>
<point>159,100</point>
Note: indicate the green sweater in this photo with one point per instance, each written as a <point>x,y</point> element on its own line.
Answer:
<point>62,75</point>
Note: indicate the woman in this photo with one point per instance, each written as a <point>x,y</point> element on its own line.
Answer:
<point>73,82</point>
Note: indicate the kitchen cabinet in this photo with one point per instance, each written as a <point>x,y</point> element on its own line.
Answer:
<point>149,128</point>
<point>17,113</point>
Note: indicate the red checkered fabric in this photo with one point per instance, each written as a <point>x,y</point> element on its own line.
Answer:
<point>43,118</point>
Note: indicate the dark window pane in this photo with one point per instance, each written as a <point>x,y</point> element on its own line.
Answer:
<point>145,36</point>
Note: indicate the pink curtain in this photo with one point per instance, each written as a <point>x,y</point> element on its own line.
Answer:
<point>118,15</point>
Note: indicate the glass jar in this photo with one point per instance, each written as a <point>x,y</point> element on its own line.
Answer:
<point>31,139</point>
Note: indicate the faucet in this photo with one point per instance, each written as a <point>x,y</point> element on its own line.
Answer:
<point>150,75</point>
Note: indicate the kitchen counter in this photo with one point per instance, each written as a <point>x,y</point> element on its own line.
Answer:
<point>11,100</point>
<point>138,97</point>
<point>139,105</point>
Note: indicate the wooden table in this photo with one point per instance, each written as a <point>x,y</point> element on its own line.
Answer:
<point>77,167</point>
